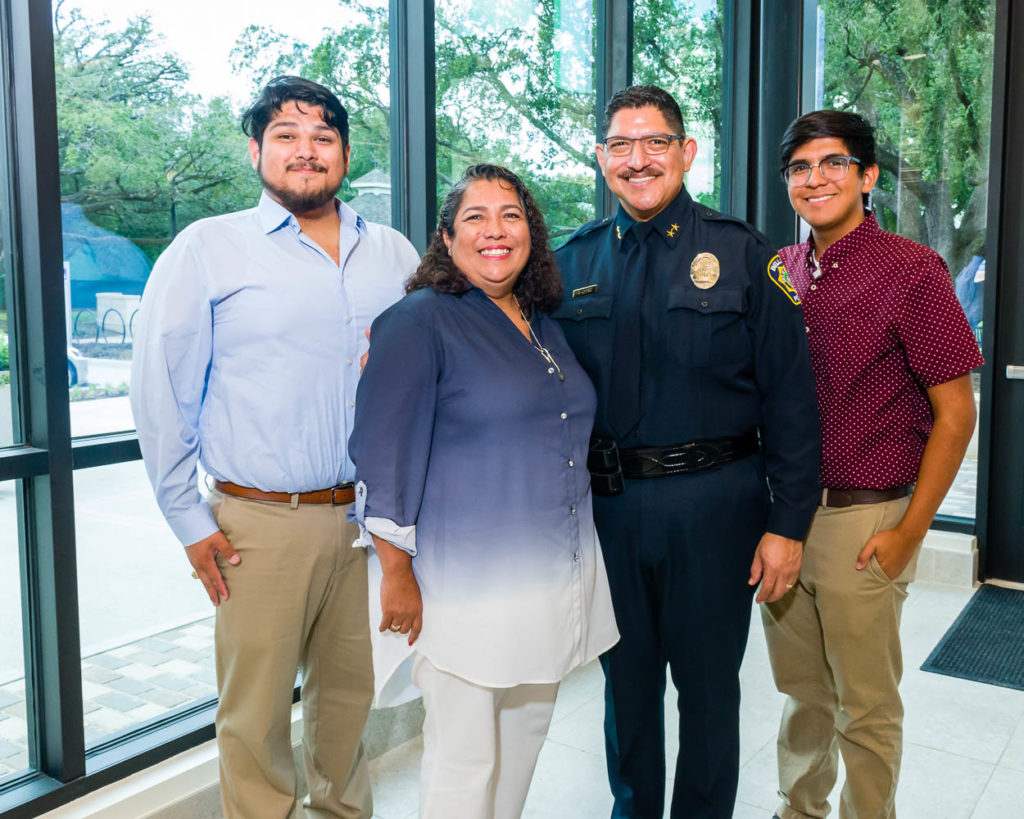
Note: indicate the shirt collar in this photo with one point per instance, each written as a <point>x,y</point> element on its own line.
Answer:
<point>274,216</point>
<point>666,224</point>
<point>834,253</point>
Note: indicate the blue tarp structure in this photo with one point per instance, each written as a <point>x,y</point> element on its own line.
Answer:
<point>99,261</point>
<point>970,289</point>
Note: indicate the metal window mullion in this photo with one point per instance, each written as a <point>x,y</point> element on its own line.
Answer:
<point>613,71</point>
<point>46,504</point>
<point>413,124</point>
<point>779,96</point>
<point>739,104</point>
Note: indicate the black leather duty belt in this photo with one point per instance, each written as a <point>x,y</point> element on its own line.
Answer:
<point>609,465</point>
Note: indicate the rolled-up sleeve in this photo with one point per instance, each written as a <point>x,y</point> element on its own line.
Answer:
<point>394,421</point>
<point>170,364</point>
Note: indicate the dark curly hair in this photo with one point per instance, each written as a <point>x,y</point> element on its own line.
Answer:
<point>288,88</point>
<point>539,286</point>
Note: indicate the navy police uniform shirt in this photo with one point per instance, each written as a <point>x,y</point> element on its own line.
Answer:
<point>690,328</point>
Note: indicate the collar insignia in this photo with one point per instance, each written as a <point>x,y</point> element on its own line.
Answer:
<point>618,233</point>
<point>672,231</point>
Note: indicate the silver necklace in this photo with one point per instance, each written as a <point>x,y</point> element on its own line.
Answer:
<point>540,348</point>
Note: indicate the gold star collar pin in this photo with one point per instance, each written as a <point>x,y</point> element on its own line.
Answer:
<point>672,231</point>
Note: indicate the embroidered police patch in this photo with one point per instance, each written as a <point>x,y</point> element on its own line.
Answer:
<point>777,273</point>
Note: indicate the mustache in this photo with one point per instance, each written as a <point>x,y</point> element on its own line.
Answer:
<point>626,173</point>
<point>301,166</point>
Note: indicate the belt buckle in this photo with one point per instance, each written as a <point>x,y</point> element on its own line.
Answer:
<point>693,457</point>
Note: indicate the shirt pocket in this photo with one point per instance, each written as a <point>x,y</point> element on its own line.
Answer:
<point>707,327</point>
<point>586,323</point>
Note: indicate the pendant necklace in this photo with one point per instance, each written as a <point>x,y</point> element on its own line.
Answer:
<point>540,348</point>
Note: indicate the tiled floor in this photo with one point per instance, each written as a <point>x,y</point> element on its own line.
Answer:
<point>964,753</point>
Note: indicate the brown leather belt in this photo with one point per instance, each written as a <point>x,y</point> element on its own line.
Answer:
<point>839,498</point>
<point>336,495</point>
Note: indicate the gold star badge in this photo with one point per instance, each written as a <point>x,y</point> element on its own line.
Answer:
<point>672,231</point>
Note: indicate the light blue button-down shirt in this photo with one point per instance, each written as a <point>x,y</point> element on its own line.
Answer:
<point>246,354</point>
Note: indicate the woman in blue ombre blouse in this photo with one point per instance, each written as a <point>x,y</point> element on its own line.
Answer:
<point>471,432</point>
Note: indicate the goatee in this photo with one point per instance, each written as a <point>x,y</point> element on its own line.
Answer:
<point>297,202</point>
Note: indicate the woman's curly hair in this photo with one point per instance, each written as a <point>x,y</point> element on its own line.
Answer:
<point>539,286</point>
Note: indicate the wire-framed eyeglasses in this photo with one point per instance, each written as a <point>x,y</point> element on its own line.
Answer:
<point>652,144</point>
<point>833,168</point>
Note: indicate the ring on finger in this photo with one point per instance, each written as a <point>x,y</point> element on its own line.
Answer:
<point>395,627</point>
<point>789,586</point>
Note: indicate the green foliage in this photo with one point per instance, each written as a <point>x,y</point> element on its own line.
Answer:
<point>141,158</point>
<point>5,357</point>
<point>514,86</point>
<point>88,392</point>
<point>681,51</point>
<point>921,71</point>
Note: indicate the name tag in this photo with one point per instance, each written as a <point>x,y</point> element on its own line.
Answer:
<point>584,291</point>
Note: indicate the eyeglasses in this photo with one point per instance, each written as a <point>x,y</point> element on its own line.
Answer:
<point>653,144</point>
<point>833,168</point>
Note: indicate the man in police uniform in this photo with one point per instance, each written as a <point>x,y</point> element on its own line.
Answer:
<point>706,449</point>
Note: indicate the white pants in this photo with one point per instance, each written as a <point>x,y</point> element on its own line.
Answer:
<point>480,745</point>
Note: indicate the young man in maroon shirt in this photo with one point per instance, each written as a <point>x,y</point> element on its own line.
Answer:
<point>892,353</point>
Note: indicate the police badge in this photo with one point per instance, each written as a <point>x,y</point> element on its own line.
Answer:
<point>705,270</point>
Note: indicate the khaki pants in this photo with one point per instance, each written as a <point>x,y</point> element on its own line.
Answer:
<point>835,650</point>
<point>480,745</point>
<point>298,600</point>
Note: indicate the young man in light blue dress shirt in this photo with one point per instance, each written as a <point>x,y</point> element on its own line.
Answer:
<point>246,360</point>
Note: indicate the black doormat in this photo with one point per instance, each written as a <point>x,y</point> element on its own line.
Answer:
<point>986,643</point>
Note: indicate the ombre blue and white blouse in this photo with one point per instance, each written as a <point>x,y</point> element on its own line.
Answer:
<point>471,454</point>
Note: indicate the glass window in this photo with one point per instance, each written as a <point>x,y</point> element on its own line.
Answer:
<point>146,625</point>
<point>148,111</point>
<point>678,46</point>
<point>922,73</point>
<point>515,87</point>
<point>13,725</point>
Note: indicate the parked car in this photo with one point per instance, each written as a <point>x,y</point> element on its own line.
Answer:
<point>78,367</point>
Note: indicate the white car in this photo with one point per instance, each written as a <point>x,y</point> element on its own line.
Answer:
<point>78,367</point>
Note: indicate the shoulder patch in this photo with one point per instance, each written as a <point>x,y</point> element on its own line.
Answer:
<point>777,273</point>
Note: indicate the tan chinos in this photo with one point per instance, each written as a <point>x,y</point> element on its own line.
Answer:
<point>835,650</point>
<point>298,600</point>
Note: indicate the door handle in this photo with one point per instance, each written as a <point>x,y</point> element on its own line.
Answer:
<point>1015,371</point>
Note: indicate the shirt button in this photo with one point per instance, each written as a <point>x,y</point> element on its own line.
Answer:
<point>835,264</point>
<point>551,370</point>
<point>572,510</point>
<point>564,416</point>
<point>575,557</point>
<point>351,403</point>
<point>571,463</point>
<point>348,319</point>
<point>814,287</point>
<point>579,311</point>
<point>350,361</point>
<point>703,304</point>
<point>808,329</point>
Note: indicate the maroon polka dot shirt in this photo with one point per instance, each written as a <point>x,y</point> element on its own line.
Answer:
<point>883,324</point>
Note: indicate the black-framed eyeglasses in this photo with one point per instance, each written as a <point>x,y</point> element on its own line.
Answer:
<point>833,168</point>
<point>652,144</point>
